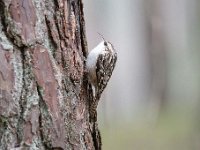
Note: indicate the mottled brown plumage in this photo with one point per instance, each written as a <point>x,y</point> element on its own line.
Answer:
<point>100,65</point>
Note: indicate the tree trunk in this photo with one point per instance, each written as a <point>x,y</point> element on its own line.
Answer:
<point>44,91</point>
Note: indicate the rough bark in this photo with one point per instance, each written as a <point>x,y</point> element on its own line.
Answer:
<point>44,91</point>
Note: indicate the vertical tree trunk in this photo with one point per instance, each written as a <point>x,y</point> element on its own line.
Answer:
<point>44,94</point>
<point>158,58</point>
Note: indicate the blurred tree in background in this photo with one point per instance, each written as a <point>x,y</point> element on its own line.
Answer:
<point>153,99</point>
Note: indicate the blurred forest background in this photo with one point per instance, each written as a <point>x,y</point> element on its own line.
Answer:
<point>153,99</point>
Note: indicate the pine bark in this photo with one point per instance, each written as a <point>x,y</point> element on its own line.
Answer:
<point>44,90</point>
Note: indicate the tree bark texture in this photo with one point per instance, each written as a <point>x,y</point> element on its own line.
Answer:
<point>44,91</point>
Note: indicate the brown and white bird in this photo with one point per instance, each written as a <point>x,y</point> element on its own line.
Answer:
<point>100,65</point>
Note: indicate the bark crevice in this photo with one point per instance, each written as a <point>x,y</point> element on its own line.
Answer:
<point>41,105</point>
<point>21,101</point>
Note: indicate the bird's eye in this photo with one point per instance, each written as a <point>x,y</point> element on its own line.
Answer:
<point>105,43</point>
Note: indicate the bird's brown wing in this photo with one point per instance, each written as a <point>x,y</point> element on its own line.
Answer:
<point>105,66</point>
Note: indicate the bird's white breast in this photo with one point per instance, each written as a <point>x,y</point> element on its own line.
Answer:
<point>93,55</point>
